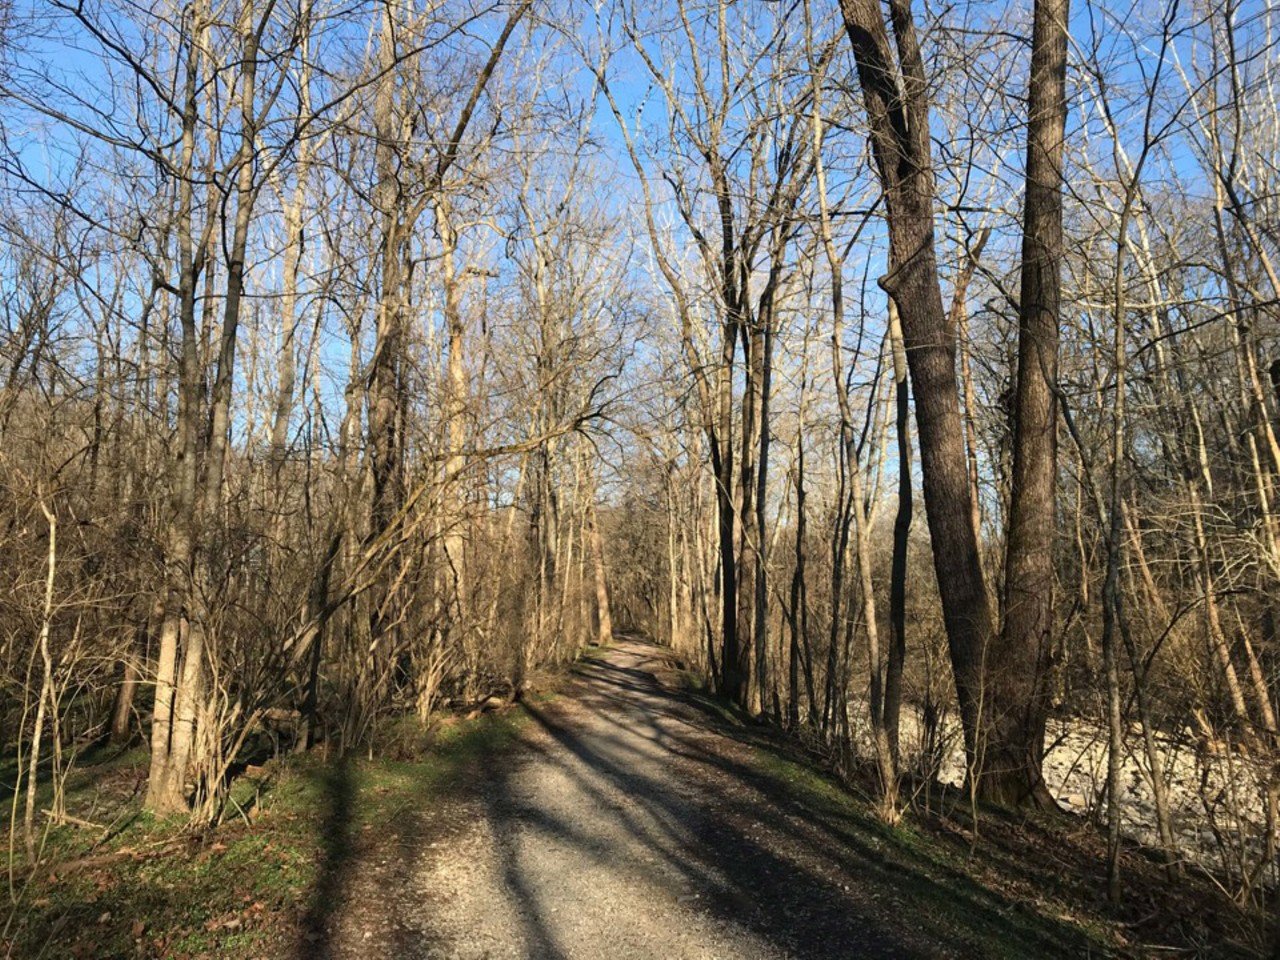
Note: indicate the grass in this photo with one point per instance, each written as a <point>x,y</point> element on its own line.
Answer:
<point>1023,886</point>
<point>925,880</point>
<point>1005,885</point>
<point>148,890</point>
<point>1012,887</point>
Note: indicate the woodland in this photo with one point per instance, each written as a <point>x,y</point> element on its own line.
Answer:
<point>909,371</point>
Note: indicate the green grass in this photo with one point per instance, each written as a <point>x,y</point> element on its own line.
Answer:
<point>1024,889</point>
<point>147,890</point>
<point>922,879</point>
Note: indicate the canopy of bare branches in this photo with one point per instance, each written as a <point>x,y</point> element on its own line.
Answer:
<point>912,372</point>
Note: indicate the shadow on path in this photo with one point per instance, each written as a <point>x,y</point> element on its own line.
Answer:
<point>631,781</point>
<point>338,787</point>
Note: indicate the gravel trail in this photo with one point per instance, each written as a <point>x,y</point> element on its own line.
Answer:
<point>627,823</point>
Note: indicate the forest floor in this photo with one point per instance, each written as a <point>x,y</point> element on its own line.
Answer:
<point>626,816</point>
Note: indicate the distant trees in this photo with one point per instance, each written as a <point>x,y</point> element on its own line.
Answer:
<point>738,163</point>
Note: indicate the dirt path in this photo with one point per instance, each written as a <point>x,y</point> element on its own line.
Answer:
<point>630,824</point>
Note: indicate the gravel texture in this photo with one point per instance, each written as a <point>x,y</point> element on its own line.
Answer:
<point>624,825</point>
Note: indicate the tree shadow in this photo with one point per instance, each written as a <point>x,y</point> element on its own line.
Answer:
<point>337,783</point>
<point>658,793</point>
<point>803,882</point>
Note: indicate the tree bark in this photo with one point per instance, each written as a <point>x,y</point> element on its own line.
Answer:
<point>604,618</point>
<point>896,96</point>
<point>1017,692</point>
<point>901,541</point>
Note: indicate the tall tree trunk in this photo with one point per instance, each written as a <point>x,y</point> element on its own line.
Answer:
<point>384,374</point>
<point>603,618</point>
<point>292,215</point>
<point>1017,693</point>
<point>732,680</point>
<point>454,543</point>
<point>765,370</point>
<point>800,657</point>
<point>960,323</point>
<point>749,546</point>
<point>896,95</point>
<point>901,540</point>
<point>189,693</point>
<point>180,532</point>
<point>46,698</point>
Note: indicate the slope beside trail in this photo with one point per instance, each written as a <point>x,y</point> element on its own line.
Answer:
<point>630,822</point>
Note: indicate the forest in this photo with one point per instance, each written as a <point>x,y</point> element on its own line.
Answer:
<point>902,378</point>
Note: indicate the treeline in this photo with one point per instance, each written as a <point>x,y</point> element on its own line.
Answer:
<point>971,452</point>
<point>309,311</point>
<point>912,373</point>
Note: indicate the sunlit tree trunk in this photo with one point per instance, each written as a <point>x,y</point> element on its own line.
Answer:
<point>1017,691</point>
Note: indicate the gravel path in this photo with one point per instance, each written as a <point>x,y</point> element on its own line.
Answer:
<point>587,842</point>
<point>627,824</point>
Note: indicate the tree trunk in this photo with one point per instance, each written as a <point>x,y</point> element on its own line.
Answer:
<point>122,708</point>
<point>180,533</point>
<point>1017,692</point>
<point>901,541</point>
<point>46,686</point>
<point>799,619</point>
<point>898,113</point>
<point>604,619</point>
